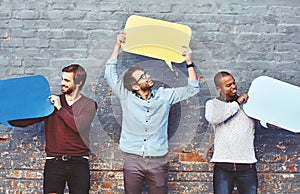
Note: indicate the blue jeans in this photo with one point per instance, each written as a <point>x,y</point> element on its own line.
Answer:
<point>226,175</point>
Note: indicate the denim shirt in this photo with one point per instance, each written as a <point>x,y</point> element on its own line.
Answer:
<point>145,122</point>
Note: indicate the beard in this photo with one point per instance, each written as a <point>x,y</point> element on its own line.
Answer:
<point>146,86</point>
<point>67,90</point>
<point>231,97</point>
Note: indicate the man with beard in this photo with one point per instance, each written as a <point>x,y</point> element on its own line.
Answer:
<point>67,135</point>
<point>234,155</point>
<point>144,135</point>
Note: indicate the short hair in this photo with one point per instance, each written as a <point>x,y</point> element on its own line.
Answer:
<point>219,76</point>
<point>79,73</point>
<point>128,80</point>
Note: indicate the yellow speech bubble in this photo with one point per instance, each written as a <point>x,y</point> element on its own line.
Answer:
<point>156,38</point>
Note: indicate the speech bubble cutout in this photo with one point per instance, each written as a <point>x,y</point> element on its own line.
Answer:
<point>156,38</point>
<point>275,102</point>
<point>24,98</point>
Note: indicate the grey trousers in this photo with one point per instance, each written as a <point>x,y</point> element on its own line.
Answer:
<point>138,169</point>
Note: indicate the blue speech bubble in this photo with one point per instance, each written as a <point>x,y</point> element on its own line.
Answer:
<point>24,98</point>
<point>275,102</point>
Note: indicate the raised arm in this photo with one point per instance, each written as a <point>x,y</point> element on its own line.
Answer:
<point>193,87</point>
<point>189,62</point>
<point>111,74</point>
<point>121,38</point>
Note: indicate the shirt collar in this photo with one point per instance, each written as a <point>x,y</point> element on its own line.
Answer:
<point>224,100</point>
<point>138,96</point>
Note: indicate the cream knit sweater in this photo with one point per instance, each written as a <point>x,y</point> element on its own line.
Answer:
<point>234,132</point>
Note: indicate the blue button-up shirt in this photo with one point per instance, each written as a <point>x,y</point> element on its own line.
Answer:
<point>145,122</point>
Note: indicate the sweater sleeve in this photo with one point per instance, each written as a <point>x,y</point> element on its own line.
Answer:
<point>217,111</point>
<point>82,115</point>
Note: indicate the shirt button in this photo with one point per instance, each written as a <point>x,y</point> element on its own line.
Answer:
<point>146,121</point>
<point>145,140</point>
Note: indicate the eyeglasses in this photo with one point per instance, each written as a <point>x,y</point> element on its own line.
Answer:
<point>143,77</point>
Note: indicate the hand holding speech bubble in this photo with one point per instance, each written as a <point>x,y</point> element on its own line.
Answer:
<point>24,98</point>
<point>275,102</point>
<point>156,38</point>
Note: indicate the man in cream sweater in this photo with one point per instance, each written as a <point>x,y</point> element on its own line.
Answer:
<point>234,155</point>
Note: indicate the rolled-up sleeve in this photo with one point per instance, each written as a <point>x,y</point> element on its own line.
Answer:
<point>183,93</point>
<point>111,74</point>
<point>112,78</point>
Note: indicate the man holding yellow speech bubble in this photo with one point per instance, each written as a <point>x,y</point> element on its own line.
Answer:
<point>144,135</point>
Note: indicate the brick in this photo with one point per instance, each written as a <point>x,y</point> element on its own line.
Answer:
<point>74,15</point>
<point>5,14</point>
<point>109,6</point>
<point>62,5</point>
<point>246,38</point>
<point>36,62</point>
<point>70,34</point>
<point>32,42</point>
<point>50,34</point>
<point>280,10</point>
<point>52,15</point>
<point>13,42</point>
<point>62,44</point>
<point>255,11</point>
<point>288,29</point>
<point>91,25</point>
<point>26,14</point>
<point>4,61</point>
<point>87,5</point>
<point>297,11</point>
<point>18,33</point>
<point>99,16</point>
<point>35,24</point>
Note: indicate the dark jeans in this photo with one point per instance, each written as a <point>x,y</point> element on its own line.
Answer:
<point>138,169</point>
<point>75,173</point>
<point>226,175</point>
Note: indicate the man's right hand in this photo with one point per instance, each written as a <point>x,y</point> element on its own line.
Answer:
<point>188,55</point>
<point>121,38</point>
<point>242,98</point>
<point>55,100</point>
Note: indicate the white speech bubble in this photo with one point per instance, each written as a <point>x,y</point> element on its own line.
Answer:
<point>275,102</point>
<point>156,38</point>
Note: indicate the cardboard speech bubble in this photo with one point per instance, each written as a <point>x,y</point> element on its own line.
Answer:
<point>24,98</point>
<point>275,102</point>
<point>156,38</point>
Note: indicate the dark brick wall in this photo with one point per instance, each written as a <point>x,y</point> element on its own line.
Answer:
<point>247,38</point>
